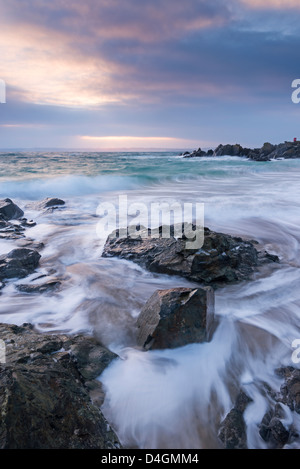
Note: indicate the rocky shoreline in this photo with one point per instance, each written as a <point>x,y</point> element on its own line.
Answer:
<point>50,390</point>
<point>267,152</point>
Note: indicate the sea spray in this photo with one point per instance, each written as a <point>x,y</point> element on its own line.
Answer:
<point>172,398</point>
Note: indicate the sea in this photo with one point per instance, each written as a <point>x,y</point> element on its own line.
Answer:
<point>173,398</point>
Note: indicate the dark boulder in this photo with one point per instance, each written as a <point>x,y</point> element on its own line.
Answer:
<point>275,428</point>
<point>176,317</point>
<point>44,398</point>
<point>223,259</point>
<point>18,263</point>
<point>290,390</point>
<point>9,210</point>
<point>229,150</point>
<point>272,430</point>
<point>267,148</point>
<point>232,432</point>
<point>52,202</point>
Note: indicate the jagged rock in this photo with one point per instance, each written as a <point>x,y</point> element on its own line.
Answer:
<point>223,259</point>
<point>9,210</point>
<point>44,398</point>
<point>176,317</point>
<point>266,153</point>
<point>272,430</point>
<point>232,432</point>
<point>18,263</point>
<point>230,150</point>
<point>290,390</point>
<point>267,148</point>
<point>10,230</point>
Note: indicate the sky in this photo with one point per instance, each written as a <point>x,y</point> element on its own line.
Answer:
<point>148,74</point>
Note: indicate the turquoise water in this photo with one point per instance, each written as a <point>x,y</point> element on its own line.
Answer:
<point>39,174</point>
<point>162,399</point>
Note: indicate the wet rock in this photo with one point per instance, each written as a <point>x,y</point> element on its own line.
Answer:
<point>176,317</point>
<point>29,243</point>
<point>49,203</point>
<point>44,400</point>
<point>45,287</point>
<point>18,263</point>
<point>290,390</point>
<point>223,259</point>
<point>10,230</point>
<point>272,429</point>
<point>266,153</point>
<point>232,432</point>
<point>9,210</point>
<point>27,224</point>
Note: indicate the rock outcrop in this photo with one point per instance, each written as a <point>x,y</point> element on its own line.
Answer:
<point>48,204</point>
<point>272,430</point>
<point>277,426</point>
<point>267,152</point>
<point>223,259</point>
<point>45,391</point>
<point>18,263</point>
<point>9,210</point>
<point>176,317</point>
<point>232,432</point>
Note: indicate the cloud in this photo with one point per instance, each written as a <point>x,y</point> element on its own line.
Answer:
<point>271,4</point>
<point>72,53</point>
<point>164,67</point>
<point>149,20</point>
<point>89,54</point>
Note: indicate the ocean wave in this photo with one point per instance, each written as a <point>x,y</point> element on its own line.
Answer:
<point>67,186</point>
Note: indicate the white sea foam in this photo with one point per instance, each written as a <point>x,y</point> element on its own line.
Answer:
<point>172,398</point>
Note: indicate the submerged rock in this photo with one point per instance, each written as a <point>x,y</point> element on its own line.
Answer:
<point>50,203</point>
<point>47,286</point>
<point>176,317</point>
<point>18,263</point>
<point>44,394</point>
<point>223,259</point>
<point>9,210</point>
